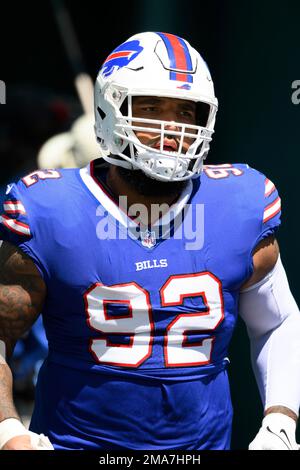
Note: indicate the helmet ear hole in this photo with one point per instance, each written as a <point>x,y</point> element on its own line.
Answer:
<point>101,113</point>
<point>124,107</point>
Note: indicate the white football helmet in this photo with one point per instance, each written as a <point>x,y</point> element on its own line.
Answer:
<point>161,65</point>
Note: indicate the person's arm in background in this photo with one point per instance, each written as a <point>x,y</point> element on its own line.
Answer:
<point>22,294</point>
<point>273,323</point>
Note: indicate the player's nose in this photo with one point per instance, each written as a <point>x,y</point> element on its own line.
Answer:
<point>171,127</point>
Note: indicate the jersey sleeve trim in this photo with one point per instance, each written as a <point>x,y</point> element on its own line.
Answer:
<point>15,226</point>
<point>14,210</point>
<point>14,207</point>
<point>269,187</point>
<point>272,209</point>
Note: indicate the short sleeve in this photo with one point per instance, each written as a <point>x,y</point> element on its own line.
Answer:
<point>15,225</point>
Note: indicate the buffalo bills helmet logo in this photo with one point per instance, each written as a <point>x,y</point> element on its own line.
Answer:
<point>121,57</point>
<point>186,86</point>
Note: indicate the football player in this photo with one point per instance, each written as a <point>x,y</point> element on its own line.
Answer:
<point>140,264</point>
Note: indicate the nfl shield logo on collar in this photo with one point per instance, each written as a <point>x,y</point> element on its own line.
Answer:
<point>148,239</point>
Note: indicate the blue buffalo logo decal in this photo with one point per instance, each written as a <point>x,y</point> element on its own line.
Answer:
<point>121,57</point>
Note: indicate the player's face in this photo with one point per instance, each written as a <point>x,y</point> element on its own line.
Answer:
<point>164,109</point>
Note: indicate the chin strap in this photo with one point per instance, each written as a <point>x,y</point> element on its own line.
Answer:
<point>162,165</point>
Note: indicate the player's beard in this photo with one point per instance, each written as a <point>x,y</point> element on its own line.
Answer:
<point>147,186</point>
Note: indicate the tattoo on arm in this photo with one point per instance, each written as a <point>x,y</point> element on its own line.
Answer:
<point>22,294</point>
<point>7,408</point>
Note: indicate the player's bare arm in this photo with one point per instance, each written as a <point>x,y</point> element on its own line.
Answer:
<point>265,256</point>
<point>22,293</point>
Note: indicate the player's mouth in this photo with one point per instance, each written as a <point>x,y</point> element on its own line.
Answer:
<point>168,145</point>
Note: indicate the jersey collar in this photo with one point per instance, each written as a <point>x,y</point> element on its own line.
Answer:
<point>110,205</point>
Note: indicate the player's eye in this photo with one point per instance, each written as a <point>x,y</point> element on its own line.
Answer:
<point>150,109</point>
<point>187,115</point>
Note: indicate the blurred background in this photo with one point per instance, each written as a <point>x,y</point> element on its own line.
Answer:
<point>252,49</point>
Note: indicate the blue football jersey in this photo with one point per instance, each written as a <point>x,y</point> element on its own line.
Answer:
<point>138,318</point>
